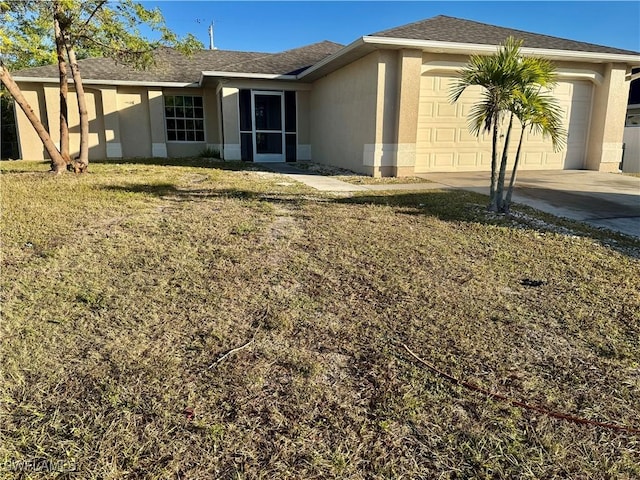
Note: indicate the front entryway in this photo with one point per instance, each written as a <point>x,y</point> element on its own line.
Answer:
<point>268,131</point>
<point>268,125</point>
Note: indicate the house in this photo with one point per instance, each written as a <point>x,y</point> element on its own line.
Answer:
<point>379,106</point>
<point>631,154</point>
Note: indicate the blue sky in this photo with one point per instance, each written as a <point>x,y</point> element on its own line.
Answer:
<point>276,26</point>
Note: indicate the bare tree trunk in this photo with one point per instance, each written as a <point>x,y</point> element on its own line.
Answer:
<point>493,204</point>
<point>512,182</point>
<point>58,163</point>
<point>64,84</point>
<point>82,163</point>
<point>503,166</point>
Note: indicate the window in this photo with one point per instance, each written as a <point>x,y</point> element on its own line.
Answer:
<point>633,117</point>
<point>184,117</point>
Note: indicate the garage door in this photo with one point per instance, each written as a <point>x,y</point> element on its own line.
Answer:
<point>444,143</point>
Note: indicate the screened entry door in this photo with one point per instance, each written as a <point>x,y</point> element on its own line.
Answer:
<point>268,126</point>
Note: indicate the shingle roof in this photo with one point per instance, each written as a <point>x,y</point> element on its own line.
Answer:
<point>450,29</point>
<point>172,66</point>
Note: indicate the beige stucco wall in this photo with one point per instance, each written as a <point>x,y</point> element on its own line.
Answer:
<point>124,121</point>
<point>44,99</point>
<point>30,145</point>
<point>369,110</point>
<point>230,123</point>
<point>607,120</point>
<point>303,105</point>
<point>135,126</point>
<point>343,114</point>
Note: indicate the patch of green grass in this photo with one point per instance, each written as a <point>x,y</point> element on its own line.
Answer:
<point>122,288</point>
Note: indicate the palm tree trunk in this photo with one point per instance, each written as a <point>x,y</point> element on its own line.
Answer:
<point>64,86</point>
<point>58,165</point>
<point>512,182</point>
<point>493,205</point>
<point>503,166</point>
<point>82,162</point>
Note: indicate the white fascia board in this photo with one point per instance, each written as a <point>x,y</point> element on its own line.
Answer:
<point>467,48</point>
<point>263,76</point>
<point>89,81</point>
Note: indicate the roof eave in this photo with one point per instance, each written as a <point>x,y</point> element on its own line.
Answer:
<point>261,76</point>
<point>475,48</point>
<point>91,81</point>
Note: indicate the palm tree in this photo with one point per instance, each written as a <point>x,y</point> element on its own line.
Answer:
<point>540,113</point>
<point>490,73</point>
<point>502,75</point>
<point>533,74</point>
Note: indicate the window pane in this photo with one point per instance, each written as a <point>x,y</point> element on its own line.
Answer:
<point>246,147</point>
<point>290,140</point>
<point>268,143</point>
<point>290,111</point>
<point>244,100</point>
<point>268,112</point>
<point>180,112</point>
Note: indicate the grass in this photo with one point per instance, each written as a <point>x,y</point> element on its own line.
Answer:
<point>122,288</point>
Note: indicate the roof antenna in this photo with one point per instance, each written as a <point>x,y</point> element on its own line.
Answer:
<point>211,46</point>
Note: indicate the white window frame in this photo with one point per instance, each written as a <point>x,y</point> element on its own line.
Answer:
<point>204,122</point>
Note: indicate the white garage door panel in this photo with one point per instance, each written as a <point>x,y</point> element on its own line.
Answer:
<point>444,142</point>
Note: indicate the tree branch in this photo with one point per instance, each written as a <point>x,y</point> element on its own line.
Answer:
<point>95,10</point>
<point>517,403</point>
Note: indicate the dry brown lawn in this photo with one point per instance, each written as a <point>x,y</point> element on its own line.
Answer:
<point>122,288</point>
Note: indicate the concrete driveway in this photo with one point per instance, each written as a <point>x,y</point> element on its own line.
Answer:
<point>607,200</point>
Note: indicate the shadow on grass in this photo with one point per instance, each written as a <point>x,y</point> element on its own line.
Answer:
<point>446,205</point>
<point>169,191</point>
<point>197,162</point>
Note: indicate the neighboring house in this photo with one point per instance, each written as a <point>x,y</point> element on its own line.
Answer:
<point>631,157</point>
<point>379,106</point>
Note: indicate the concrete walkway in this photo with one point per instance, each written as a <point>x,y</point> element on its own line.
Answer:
<point>314,180</point>
<point>599,199</point>
<point>323,183</point>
